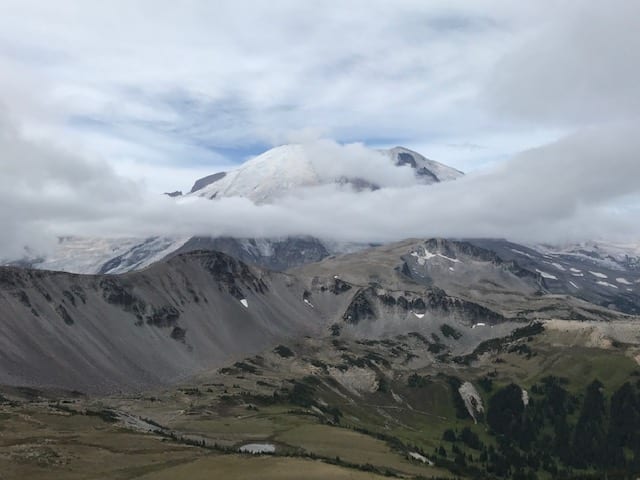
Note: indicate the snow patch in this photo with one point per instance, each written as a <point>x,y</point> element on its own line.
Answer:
<point>258,448</point>
<point>479,324</point>
<point>420,458</point>
<point>546,275</point>
<point>244,303</point>
<point>558,266</point>
<point>525,397</point>
<point>623,281</point>
<point>427,255</point>
<point>573,284</point>
<point>521,253</point>
<point>454,260</point>
<point>419,315</point>
<point>422,258</point>
<point>598,274</point>
<point>575,270</point>
<point>308,303</point>
<point>606,284</point>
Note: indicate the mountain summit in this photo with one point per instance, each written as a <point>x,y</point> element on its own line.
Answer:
<point>289,167</point>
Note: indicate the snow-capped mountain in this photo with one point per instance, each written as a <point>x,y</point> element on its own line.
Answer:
<point>262,179</point>
<point>289,167</point>
<point>612,255</point>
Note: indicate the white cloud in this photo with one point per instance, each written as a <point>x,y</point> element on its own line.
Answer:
<point>333,161</point>
<point>227,74</point>
<point>579,67</point>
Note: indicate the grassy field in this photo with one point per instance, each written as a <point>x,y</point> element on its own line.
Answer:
<point>238,467</point>
<point>38,443</point>
<point>353,447</point>
<point>579,364</point>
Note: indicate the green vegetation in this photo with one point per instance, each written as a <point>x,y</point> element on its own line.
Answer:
<point>450,332</point>
<point>284,352</point>
<point>508,342</point>
<point>356,408</point>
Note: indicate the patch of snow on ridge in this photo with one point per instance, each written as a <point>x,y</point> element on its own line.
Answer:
<point>598,274</point>
<point>420,458</point>
<point>308,303</point>
<point>606,284</point>
<point>419,315</point>
<point>244,303</point>
<point>427,255</point>
<point>623,281</point>
<point>573,284</point>
<point>525,397</point>
<point>422,258</point>
<point>454,260</point>
<point>546,275</point>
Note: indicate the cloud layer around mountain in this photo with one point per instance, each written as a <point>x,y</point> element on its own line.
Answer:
<point>96,98</point>
<point>568,190</point>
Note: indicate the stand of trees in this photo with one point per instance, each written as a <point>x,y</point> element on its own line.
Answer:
<point>592,435</point>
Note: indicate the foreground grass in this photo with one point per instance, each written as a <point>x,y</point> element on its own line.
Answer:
<point>241,467</point>
<point>38,443</point>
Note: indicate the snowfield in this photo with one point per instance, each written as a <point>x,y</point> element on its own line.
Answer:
<point>258,448</point>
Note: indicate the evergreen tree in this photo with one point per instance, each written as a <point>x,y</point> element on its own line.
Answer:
<point>590,435</point>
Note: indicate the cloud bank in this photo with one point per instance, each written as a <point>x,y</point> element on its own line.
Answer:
<point>567,190</point>
<point>165,91</point>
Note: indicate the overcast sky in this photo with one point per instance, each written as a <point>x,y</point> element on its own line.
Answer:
<point>103,105</point>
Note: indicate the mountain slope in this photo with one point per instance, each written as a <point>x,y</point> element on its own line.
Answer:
<point>503,277</point>
<point>199,310</point>
<point>144,328</point>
